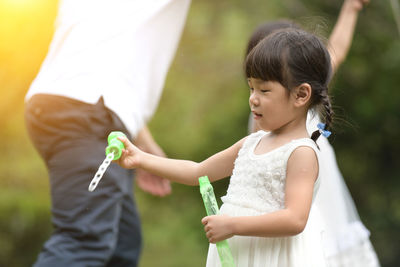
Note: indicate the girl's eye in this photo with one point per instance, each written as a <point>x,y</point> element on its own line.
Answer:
<point>251,89</point>
<point>264,91</point>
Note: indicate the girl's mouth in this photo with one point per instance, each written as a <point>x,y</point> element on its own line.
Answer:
<point>256,115</point>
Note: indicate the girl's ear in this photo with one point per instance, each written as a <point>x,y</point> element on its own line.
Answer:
<point>302,94</point>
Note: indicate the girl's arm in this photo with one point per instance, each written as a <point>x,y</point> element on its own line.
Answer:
<point>187,172</point>
<point>342,34</point>
<point>302,171</point>
<point>148,182</point>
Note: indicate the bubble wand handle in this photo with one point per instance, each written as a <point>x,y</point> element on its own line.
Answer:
<point>100,172</point>
<point>113,152</point>
<point>210,203</point>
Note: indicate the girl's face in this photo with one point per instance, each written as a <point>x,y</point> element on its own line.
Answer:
<point>271,104</point>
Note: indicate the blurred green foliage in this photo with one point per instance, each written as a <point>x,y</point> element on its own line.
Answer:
<point>204,109</point>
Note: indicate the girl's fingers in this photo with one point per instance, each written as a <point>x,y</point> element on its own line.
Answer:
<point>125,152</point>
<point>125,141</point>
<point>211,240</point>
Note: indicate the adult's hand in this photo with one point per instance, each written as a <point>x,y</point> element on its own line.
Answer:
<point>358,4</point>
<point>152,184</point>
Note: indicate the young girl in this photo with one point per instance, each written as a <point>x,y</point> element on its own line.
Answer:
<point>267,213</point>
<point>345,238</point>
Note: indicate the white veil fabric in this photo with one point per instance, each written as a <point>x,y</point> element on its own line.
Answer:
<point>345,238</point>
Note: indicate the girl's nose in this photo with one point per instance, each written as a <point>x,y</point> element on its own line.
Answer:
<point>253,99</point>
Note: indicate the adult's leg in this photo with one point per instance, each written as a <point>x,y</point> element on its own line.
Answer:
<point>126,254</point>
<point>71,137</point>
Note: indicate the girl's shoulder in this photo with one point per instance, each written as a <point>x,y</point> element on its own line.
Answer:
<point>296,144</point>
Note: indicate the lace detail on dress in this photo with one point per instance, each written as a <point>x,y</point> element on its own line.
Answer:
<point>258,181</point>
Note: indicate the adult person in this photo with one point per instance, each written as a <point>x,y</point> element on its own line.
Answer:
<point>104,71</point>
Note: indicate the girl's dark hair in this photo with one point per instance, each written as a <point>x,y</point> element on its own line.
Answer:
<point>292,57</point>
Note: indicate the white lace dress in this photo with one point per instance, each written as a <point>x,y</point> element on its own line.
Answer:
<point>257,186</point>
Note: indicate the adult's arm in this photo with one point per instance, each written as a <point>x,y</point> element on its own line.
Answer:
<point>342,35</point>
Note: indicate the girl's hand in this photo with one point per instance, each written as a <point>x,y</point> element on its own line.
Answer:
<point>217,227</point>
<point>130,155</point>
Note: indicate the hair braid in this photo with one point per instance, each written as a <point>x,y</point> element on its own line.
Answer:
<point>326,112</point>
<point>329,114</point>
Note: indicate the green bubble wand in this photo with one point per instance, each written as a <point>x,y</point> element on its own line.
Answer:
<point>210,203</point>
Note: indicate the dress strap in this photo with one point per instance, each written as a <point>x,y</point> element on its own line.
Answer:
<point>304,142</point>
<point>252,140</point>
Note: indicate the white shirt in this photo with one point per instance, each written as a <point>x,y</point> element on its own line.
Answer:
<point>119,49</point>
